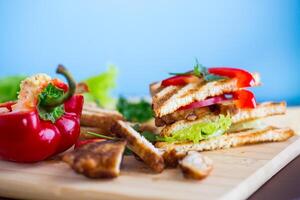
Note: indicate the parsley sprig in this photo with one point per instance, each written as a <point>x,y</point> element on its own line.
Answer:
<point>201,71</point>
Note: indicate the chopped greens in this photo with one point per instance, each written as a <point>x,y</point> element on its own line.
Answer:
<point>50,93</point>
<point>201,131</point>
<point>100,87</point>
<point>9,88</point>
<point>135,111</point>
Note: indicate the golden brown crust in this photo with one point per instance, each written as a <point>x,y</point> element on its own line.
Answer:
<point>140,146</point>
<point>98,159</point>
<point>252,136</point>
<point>93,116</point>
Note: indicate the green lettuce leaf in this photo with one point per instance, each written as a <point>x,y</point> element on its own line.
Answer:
<point>100,87</point>
<point>49,94</point>
<point>201,131</point>
<point>9,88</point>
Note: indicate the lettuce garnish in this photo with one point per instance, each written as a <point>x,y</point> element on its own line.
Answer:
<point>201,131</point>
<point>100,87</point>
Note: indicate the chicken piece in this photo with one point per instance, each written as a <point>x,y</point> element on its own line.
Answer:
<point>196,166</point>
<point>93,116</point>
<point>140,146</point>
<point>97,160</point>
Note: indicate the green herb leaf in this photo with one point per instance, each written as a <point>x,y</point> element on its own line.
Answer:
<point>135,112</point>
<point>100,87</point>
<point>201,131</point>
<point>127,150</point>
<point>9,88</point>
<point>49,94</point>
<point>201,71</point>
<point>212,77</point>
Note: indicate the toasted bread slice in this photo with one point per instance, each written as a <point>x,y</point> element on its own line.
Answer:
<point>98,159</point>
<point>252,136</point>
<point>93,116</point>
<point>196,166</point>
<point>140,146</point>
<point>156,87</point>
<point>168,99</point>
<point>237,115</point>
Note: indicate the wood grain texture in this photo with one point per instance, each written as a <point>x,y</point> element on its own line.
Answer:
<point>237,173</point>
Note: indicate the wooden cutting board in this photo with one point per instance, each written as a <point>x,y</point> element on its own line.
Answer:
<point>237,173</point>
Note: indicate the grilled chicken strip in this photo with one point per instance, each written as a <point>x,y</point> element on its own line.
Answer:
<point>140,146</point>
<point>93,116</point>
<point>98,159</point>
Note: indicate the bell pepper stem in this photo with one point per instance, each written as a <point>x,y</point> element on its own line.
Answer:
<point>71,91</point>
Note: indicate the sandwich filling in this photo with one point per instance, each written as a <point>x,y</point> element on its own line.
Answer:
<point>208,102</point>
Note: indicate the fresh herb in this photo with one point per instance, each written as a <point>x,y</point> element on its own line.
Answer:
<point>100,87</point>
<point>102,136</point>
<point>9,88</point>
<point>127,150</point>
<point>201,71</point>
<point>201,131</point>
<point>135,112</point>
<point>49,94</point>
<point>148,135</point>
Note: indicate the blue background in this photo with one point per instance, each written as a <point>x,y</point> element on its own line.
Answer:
<point>147,39</point>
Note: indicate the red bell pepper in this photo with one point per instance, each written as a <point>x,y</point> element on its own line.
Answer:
<point>179,80</point>
<point>245,79</point>
<point>242,99</point>
<point>26,136</point>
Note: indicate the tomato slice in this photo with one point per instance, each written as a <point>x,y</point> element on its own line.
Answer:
<point>81,143</point>
<point>242,99</point>
<point>206,102</point>
<point>180,80</point>
<point>245,79</point>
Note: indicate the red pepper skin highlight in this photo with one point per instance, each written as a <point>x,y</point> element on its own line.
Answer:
<point>24,137</point>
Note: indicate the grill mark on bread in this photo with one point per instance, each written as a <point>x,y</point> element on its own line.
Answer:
<point>186,95</point>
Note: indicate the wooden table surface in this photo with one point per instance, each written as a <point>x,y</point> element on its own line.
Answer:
<point>284,185</point>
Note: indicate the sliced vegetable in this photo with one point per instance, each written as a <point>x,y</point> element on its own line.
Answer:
<point>201,131</point>
<point>180,80</point>
<point>206,102</point>
<point>245,79</point>
<point>135,111</point>
<point>244,99</point>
